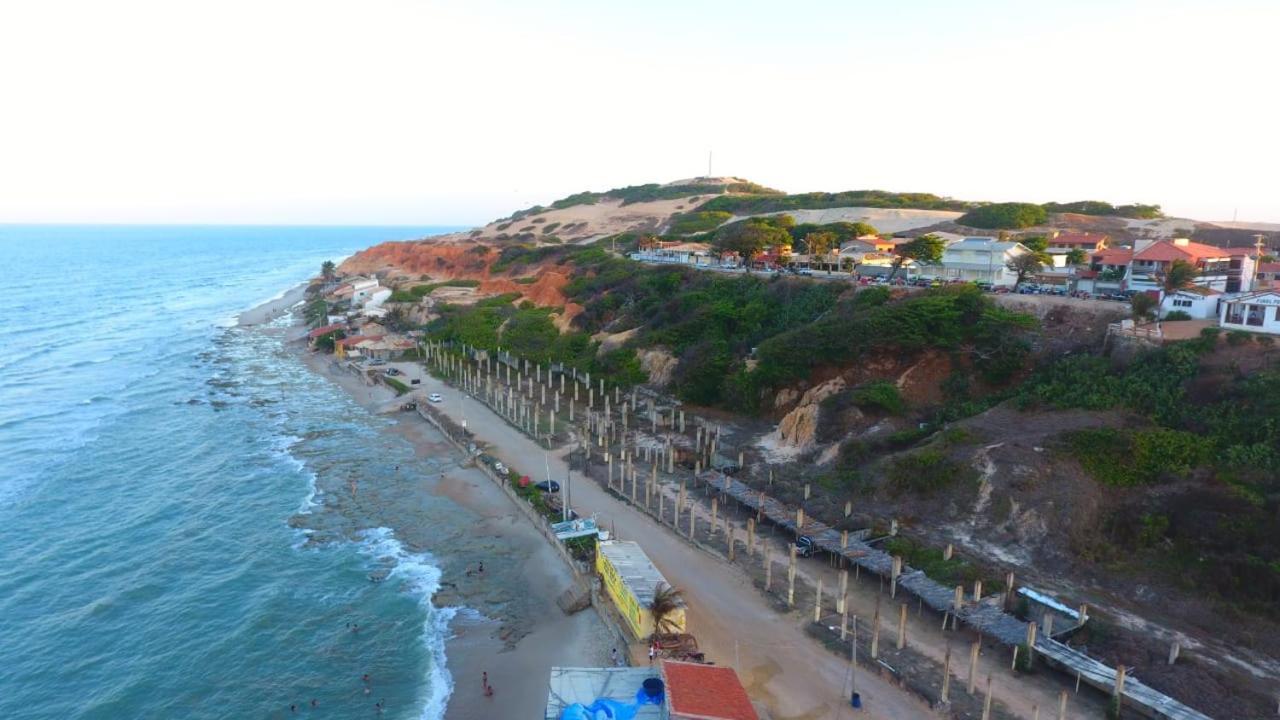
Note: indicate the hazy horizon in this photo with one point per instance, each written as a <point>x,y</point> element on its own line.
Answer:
<point>399,112</point>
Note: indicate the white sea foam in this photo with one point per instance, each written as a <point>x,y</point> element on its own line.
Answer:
<point>422,579</point>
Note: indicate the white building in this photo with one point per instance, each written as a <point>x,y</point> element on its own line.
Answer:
<point>1256,312</point>
<point>682,253</point>
<point>362,289</point>
<point>981,259</point>
<point>1200,303</point>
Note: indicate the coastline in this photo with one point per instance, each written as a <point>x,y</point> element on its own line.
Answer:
<point>504,622</point>
<point>273,308</point>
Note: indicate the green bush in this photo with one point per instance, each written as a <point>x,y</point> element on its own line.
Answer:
<point>697,221</point>
<point>757,204</point>
<point>1236,338</point>
<point>395,384</point>
<point>1005,216</point>
<point>1175,315</point>
<point>880,394</point>
<point>925,472</point>
<point>1126,458</point>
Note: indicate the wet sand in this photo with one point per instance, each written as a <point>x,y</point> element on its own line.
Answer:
<point>509,625</point>
<point>273,309</point>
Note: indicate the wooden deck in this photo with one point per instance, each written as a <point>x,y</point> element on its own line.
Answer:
<point>986,616</point>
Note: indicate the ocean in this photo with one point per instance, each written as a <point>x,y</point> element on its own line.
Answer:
<point>154,454</point>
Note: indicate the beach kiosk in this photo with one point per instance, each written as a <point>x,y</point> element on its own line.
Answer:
<point>631,581</point>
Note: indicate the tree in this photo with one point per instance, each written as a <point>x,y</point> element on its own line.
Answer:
<point>923,249</point>
<point>749,237</point>
<point>1076,256</point>
<point>995,216</point>
<point>397,319</point>
<point>666,601</point>
<point>1180,274</point>
<point>1142,305</point>
<point>1023,265</point>
<point>819,243</point>
<point>327,269</point>
<point>1035,243</point>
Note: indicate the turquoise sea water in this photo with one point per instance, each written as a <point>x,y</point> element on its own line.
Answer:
<point>152,456</point>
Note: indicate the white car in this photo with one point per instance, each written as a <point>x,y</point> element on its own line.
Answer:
<point>435,397</point>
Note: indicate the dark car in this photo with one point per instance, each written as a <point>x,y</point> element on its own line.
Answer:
<point>805,546</point>
<point>548,486</point>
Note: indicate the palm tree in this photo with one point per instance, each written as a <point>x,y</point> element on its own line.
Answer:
<point>1142,304</point>
<point>666,601</point>
<point>327,269</point>
<point>1180,274</point>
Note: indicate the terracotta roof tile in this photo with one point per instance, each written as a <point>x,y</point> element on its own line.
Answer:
<point>1167,251</point>
<point>706,692</point>
<point>1077,239</point>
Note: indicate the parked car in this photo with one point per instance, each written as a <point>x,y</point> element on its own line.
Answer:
<point>377,362</point>
<point>392,372</point>
<point>550,486</point>
<point>499,468</point>
<point>805,546</point>
<point>436,398</point>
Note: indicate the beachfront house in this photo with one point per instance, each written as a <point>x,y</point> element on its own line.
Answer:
<point>1201,303</point>
<point>1064,242</point>
<point>680,253</point>
<point>1268,275</point>
<point>981,259</point>
<point>672,690</point>
<point>362,289</point>
<point>632,581</point>
<point>1152,258</point>
<point>1256,312</point>
<point>331,330</point>
<point>1107,271</point>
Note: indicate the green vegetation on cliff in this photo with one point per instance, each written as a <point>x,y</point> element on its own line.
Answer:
<point>1004,216</point>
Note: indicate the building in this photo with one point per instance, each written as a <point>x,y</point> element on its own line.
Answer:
<point>1268,275</point>
<point>1240,273</point>
<point>1151,259</point>
<point>362,289</point>
<point>1067,241</point>
<point>705,692</point>
<point>981,259</point>
<point>573,690</point>
<point>1201,303</point>
<point>1256,312</point>
<point>681,253</point>
<point>1109,267</point>
<point>314,336</point>
<point>632,581</point>
<point>349,347</point>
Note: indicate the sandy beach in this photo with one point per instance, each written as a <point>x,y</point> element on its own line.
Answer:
<point>509,625</point>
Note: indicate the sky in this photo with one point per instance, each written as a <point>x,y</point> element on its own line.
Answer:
<point>423,112</point>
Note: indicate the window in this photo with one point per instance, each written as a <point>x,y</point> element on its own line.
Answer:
<point>1182,303</point>
<point>1256,315</point>
<point>1235,314</point>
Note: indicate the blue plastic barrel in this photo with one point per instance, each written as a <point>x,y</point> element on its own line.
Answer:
<point>856,700</point>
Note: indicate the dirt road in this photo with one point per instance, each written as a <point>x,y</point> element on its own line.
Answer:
<point>789,674</point>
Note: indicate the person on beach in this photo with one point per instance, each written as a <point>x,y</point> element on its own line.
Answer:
<point>613,656</point>
<point>481,568</point>
<point>653,650</point>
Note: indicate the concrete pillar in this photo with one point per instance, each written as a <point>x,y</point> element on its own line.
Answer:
<point>768,571</point>
<point>806,491</point>
<point>791,578</point>
<point>893,527</point>
<point>946,676</point>
<point>973,664</point>
<point>1119,688</point>
<point>946,553</point>
<point>958,601</point>
<point>848,508</point>
<point>733,542</point>
<point>693,515</point>
<point>895,569</point>
<point>609,477</point>
<point>817,602</point>
<point>1008,591</point>
<point>741,461</point>
<point>977,590</point>
<point>751,537</point>
<point>561,382</point>
<point>661,503</point>
<point>591,398</point>
<point>875,633</point>
<point>986,702</point>
<point>902,626</point>
<point>1174,650</point>
<point>844,589</point>
<point>715,507</point>
<point>1048,625</point>
<point>571,411</point>
<point>1062,705</point>
<point>681,421</point>
<point>844,618</point>
<point>799,520</point>
<point>551,420</point>
<point>575,392</point>
<point>1031,644</point>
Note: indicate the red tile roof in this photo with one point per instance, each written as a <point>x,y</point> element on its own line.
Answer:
<point>1077,239</point>
<point>705,692</point>
<point>1269,267</point>
<point>318,332</point>
<point>1168,251</point>
<point>1113,256</point>
<point>357,339</point>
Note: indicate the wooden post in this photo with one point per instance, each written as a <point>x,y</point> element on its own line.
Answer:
<point>973,665</point>
<point>848,508</point>
<point>1174,649</point>
<point>1062,705</point>
<point>1048,625</point>
<point>662,501</point>
<point>844,619</point>
<point>902,626</point>
<point>958,601</point>
<point>893,527</point>
<point>817,603</point>
<point>799,521</point>
<point>715,507</point>
<point>844,589</point>
<point>692,516</point>
<point>768,571</point>
<point>977,590</point>
<point>1008,591</point>
<point>1119,689</point>
<point>751,537</point>
<point>946,676</point>
<point>1014,665</point>
<point>1031,644</point>
<point>894,569</point>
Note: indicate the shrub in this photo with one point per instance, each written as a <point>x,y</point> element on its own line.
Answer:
<point>1126,458</point>
<point>880,394</point>
<point>698,221</point>
<point>1007,216</point>
<point>1175,315</point>
<point>1236,338</point>
<point>925,472</point>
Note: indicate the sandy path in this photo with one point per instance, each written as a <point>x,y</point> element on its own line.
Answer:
<point>783,669</point>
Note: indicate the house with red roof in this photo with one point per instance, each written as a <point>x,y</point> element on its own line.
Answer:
<point>705,692</point>
<point>1268,275</point>
<point>316,334</point>
<point>1152,259</point>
